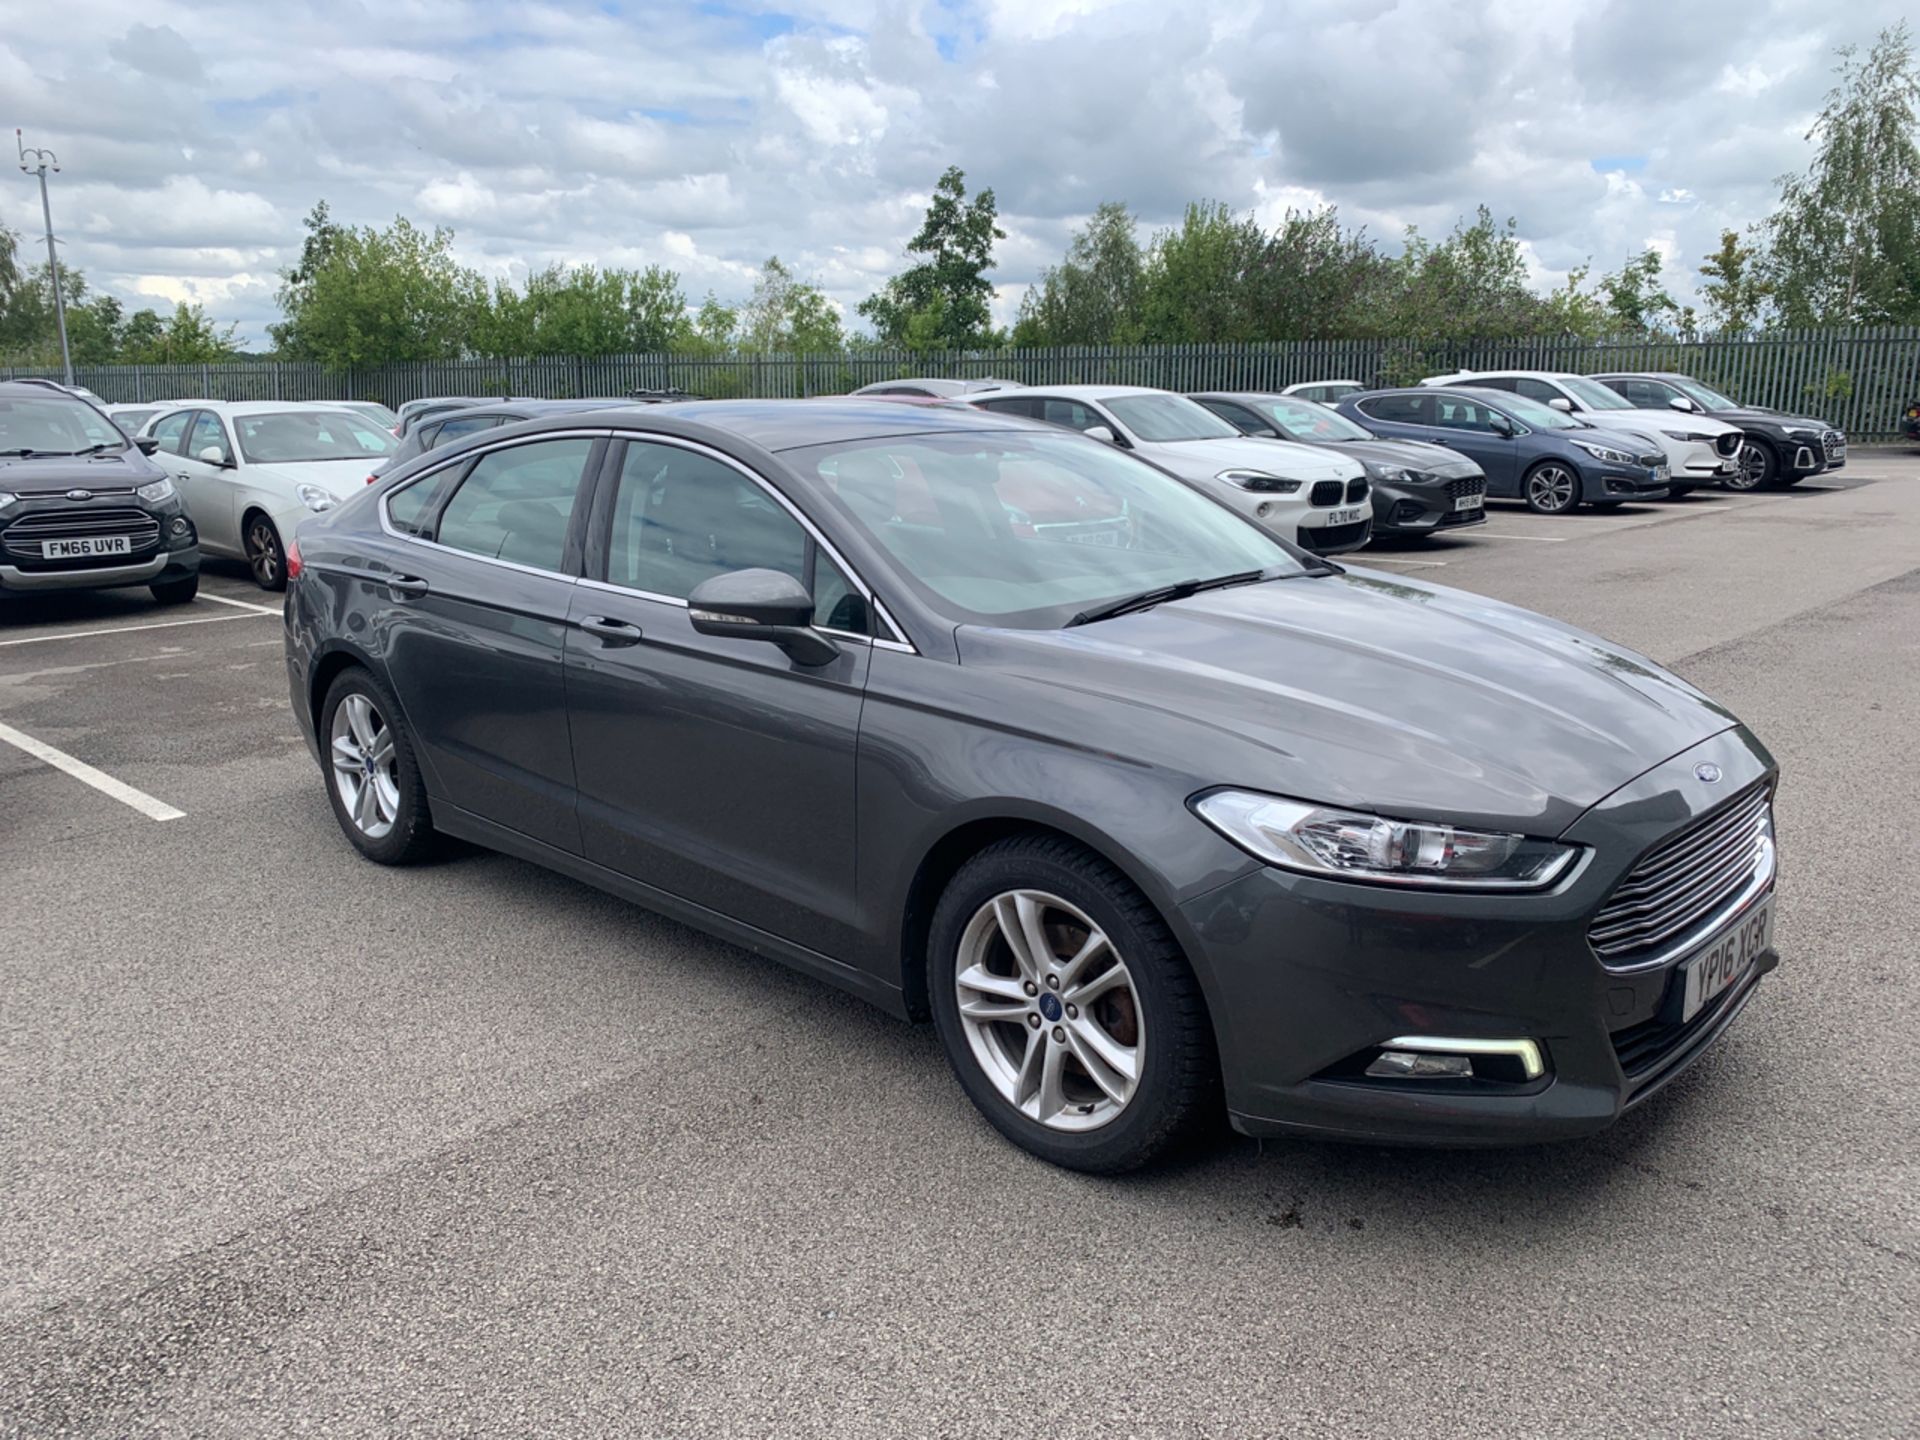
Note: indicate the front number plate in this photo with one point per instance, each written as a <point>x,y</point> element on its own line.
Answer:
<point>1470,502</point>
<point>1345,517</point>
<point>1727,957</point>
<point>85,549</point>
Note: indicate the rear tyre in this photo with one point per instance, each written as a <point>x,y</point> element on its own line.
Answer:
<point>373,779</point>
<point>266,556</point>
<point>176,592</point>
<point>1068,1013</point>
<point>1551,488</point>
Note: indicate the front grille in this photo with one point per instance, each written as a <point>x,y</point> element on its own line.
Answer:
<point>1684,880</point>
<point>1834,443</point>
<point>1356,491</point>
<point>22,539</point>
<point>1327,492</point>
<point>1652,461</point>
<point>1333,537</point>
<point>1729,443</point>
<point>1471,485</point>
<point>1644,1048</point>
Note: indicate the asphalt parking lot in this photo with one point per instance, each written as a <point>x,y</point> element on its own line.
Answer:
<point>292,1143</point>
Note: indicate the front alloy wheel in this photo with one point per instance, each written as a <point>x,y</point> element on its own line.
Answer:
<point>1756,469</point>
<point>1552,489</point>
<point>1049,1010</point>
<point>364,756</point>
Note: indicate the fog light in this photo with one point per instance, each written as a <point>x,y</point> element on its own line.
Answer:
<point>1412,1065</point>
<point>179,526</point>
<point>1263,510</point>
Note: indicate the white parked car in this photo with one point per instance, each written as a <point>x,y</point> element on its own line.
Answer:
<point>1700,450</point>
<point>1324,392</point>
<point>131,418</point>
<point>1316,498</point>
<point>250,471</point>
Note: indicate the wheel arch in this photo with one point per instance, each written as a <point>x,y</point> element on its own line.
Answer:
<point>334,657</point>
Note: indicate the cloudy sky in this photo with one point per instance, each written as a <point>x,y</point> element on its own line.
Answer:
<point>196,134</point>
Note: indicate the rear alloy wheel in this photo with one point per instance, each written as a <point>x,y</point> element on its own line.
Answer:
<point>373,780</point>
<point>1551,489</point>
<point>1759,467</point>
<point>265,555</point>
<point>1068,1012</point>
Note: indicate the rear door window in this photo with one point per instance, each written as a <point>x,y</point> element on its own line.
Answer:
<point>208,434</point>
<point>172,432</point>
<point>1399,409</point>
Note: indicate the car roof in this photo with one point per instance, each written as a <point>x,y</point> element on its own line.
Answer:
<point>1510,375</point>
<point>944,384</point>
<point>1469,392</point>
<point>1642,375</point>
<point>791,424</point>
<point>253,407</point>
<point>1303,385</point>
<point>540,407</point>
<point>1081,392</point>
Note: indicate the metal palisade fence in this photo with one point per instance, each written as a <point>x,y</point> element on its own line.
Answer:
<point>1860,380</point>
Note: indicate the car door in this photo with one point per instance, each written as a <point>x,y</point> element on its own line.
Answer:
<point>716,769</point>
<point>202,483</point>
<point>1468,426</point>
<point>475,636</point>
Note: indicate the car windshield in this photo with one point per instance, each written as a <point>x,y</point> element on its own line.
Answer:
<point>1701,395</point>
<point>1026,530</point>
<point>50,423</point>
<point>1304,420</point>
<point>1536,416</point>
<point>1592,394</point>
<point>293,437</point>
<point>376,411</point>
<point>1159,419</point>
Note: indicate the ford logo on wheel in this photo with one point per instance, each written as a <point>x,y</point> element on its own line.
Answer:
<point>79,494</point>
<point>1707,771</point>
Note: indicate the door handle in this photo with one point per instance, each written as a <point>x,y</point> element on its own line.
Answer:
<point>611,632</point>
<point>408,587</point>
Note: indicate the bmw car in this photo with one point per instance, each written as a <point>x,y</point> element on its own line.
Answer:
<point>1189,819</point>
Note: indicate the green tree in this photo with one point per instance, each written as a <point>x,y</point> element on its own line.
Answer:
<point>1844,243</point>
<point>1199,284</point>
<point>378,297</point>
<point>1473,284</point>
<point>1312,278</point>
<point>1572,309</point>
<point>1735,289</point>
<point>787,314</point>
<point>187,337</point>
<point>957,238</point>
<point>1637,303</point>
<point>1093,296</point>
<point>584,311</point>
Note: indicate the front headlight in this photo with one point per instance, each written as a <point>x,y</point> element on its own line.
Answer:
<point>155,491</point>
<point>1316,840</point>
<point>1605,452</point>
<point>6,499</point>
<point>1259,480</point>
<point>1687,437</point>
<point>314,498</point>
<point>1392,475</point>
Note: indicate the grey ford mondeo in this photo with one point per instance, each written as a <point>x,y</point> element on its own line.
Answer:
<point>993,725</point>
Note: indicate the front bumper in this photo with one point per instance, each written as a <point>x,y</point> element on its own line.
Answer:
<point>1608,484</point>
<point>158,569</point>
<point>1335,539</point>
<point>1423,509</point>
<point>1307,974</point>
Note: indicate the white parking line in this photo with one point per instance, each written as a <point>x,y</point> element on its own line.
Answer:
<point>1543,539</point>
<point>241,604</point>
<point>1417,564</point>
<point>59,759</point>
<point>127,629</point>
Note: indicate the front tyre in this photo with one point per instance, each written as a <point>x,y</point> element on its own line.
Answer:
<point>373,778</point>
<point>266,556</point>
<point>1551,488</point>
<point>176,592</point>
<point>1759,467</point>
<point>1068,1013</point>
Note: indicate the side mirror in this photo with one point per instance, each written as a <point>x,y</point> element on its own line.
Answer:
<point>1501,425</point>
<point>1681,402</point>
<point>146,444</point>
<point>761,605</point>
<point>213,455</point>
<point>1562,404</point>
<point>1102,433</point>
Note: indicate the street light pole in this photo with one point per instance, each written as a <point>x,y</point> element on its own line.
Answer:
<point>42,161</point>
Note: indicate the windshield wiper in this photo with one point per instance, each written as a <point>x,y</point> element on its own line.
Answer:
<point>1160,594</point>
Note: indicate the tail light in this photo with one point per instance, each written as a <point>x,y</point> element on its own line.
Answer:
<point>373,477</point>
<point>294,565</point>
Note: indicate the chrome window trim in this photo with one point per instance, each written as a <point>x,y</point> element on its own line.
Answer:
<point>386,522</point>
<point>651,437</point>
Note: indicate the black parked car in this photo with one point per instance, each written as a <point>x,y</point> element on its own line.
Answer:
<point>1910,422</point>
<point>1780,449</point>
<point>1134,821</point>
<point>1417,488</point>
<point>1552,460</point>
<point>81,505</point>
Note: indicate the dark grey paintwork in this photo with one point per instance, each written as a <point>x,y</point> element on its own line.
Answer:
<point>812,813</point>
